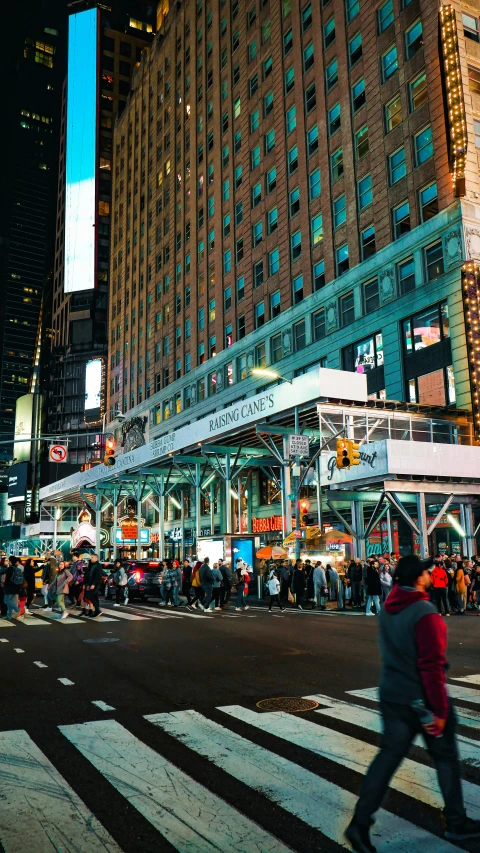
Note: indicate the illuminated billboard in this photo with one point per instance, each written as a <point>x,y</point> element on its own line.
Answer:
<point>93,384</point>
<point>81,151</point>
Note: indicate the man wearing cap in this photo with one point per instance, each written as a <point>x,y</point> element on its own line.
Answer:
<point>413,641</point>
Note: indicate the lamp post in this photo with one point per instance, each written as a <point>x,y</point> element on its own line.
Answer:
<point>118,416</point>
<point>266,373</point>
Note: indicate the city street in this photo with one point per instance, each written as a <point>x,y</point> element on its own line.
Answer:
<point>140,731</point>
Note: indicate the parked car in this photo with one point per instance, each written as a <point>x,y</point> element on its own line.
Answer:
<point>143,580</point>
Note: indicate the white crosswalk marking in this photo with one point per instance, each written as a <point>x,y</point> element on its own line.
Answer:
<point>40,664</point>
<point>66,682</point>
<point>2,640</point>
<point>33,622</point>
<point>102,705</point>
<point>414,779</point>
<point>466,717</point>
<point>19,651</point>
<point>39,811</point>
<point>5,624</point>
<point>120,614</point>
<point>371,719</point>
<point>55,617</point>
<point>319,803</point>
<point>469,679</point>
<point>188,815</point>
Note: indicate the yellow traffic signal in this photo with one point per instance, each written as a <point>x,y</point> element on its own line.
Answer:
<point>343,452</point>
<point>354,453</point>
<point>109,457</point>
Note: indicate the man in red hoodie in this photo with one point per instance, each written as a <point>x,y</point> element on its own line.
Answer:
<point>413,641</point>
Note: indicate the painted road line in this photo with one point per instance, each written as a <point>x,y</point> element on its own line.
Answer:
<point>40,664</point>
<point>19,651</point>
<point>371,719</point>
<point>102,705</point>
<point>66,682</point>
<point>5,624</point>
<point>466,717</point>
<point>4,641</point>
<point>40,812</point>
<point>166,613</point>
<point>55,617</point>
<point>469,679</point>
<point>412,778</point>
<point>188,815</point>
<point>119,614</point>
<point>33,622</point>
<point>320,804</point>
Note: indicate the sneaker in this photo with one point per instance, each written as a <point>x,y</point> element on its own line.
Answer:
<point>201,606</point>
<point>246,607</point>
<point>94,615</point>
<point>359,838</point>
<point>218,608</point>
<point>207,610</point>
<point>48,609</point>
<point>189,607</point>
<point>270,611</point>
<point>468,828</point>
<point>65,615</point>
<point>116,605</point>
<point>28,612</point>
<point>283,610</point>
<point>238,609</point>
<point>299,607</point>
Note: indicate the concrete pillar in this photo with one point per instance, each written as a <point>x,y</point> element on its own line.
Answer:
<point>228,497</point>
<point>286,491</point>
<point>182,527</point>
<point>359,542</point>
<point>198,502</point>
<point>239,505</point>
<point>98,522</point>
<point>319,493</point>
<point>389,530</point>
<point>115,523</point>
<point>212,509</point>
<point>469,528</point>
<point>138,495</point>
<point>422,525</point>
<point>249,487</point>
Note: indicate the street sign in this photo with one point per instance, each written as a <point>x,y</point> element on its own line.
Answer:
<point>291,497</point>
<point>298,445</point>
<point>57,453</point>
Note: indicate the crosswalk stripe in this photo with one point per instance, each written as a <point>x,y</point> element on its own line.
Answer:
<point>4,641</point>
<point>412,778</point>
<point>470,679</point>
<point>55,617</point>
<point>5,624</point>
<point>32,622</point>
<point>40,664</point>
<point>102,705</point>
<point>466,717</point>
<point>120,614</point>
<point>40,811</point>
<point>187,814</point>
<point>371,719</point>
<point>319,803</point>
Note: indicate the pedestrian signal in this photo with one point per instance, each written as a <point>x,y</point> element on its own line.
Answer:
<point>109,457</point>
<point>343,453</point>
<point>354,453</point>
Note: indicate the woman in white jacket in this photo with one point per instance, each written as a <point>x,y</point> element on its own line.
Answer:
<point>274,589</point>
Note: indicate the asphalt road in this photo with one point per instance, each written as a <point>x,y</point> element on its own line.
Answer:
<point>187,782</point>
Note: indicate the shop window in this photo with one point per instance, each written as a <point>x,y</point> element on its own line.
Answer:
<point>427,328</point>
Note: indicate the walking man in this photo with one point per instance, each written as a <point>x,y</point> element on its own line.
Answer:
<point>355,575</point>
<point>413,640</point>
<point>92,586</point>
<point>319,584</point>
<point>206,578</point>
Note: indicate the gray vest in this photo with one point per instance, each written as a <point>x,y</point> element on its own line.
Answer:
<point>400,680</point>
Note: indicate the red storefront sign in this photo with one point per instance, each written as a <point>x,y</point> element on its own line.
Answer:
<point>129,529</point>
<point>267,525</point>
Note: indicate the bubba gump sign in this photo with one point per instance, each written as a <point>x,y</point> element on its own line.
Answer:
<point>267,525</point>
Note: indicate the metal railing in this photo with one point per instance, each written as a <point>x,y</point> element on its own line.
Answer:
<point>368,426</point>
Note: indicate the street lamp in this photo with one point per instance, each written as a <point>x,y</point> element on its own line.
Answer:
<point>266,373</point>
<point>118,416</point>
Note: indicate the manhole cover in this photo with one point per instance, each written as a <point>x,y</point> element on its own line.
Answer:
<point>291,704</point>
<point>103,640</point>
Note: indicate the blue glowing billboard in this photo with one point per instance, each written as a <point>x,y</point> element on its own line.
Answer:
<point>81,151</point>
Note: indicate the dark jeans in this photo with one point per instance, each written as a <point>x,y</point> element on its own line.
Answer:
<point>120,594</point>
<point>216,595</point>
<point>439,598</point>
<point>31,592</point>
<point>240,602</point>
<point>91,595</point>
<point>208,590</point>
<point>356,593</point>
<point>299,596</point>
<point>400,725</point>
<point>169,595</point>
<point>196,594</point>
<point>275,599</point>
<point>224,595</point>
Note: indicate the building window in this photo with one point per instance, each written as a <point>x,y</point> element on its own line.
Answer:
<point>256,194</point>
<point>294,202</point>
<point>314,187</point>
<point>367,242</point>
<point>260,355</point>
<point>257,233</point>
<point>341,259</point>
<point>428,202</point>
<point>364,356</point>
<point>401,220</point>
<point>308,57</point>
<point>318,275</point>
<point>434,265</point>
<point>272,220</point>
<point>358,95</point>
<point>299,336</point>
<point>269,141</point>
<point>255,157</point>
<point>413,39</point>
<point>275,305</point>
<point>240,288</point>
<point>291,119</point>
<point>259,314</point>
<point>276,349</point>
<point>423,145</point>
<point>334,119</point>
<point>289,80</point>
<point>361,143</point>
<point>397,167</point>
<point>389,63</point>
<point>418,91</point>
<point>355,49</point>
<point>318,325</point>
<point>424,330</point>
<point>271,180</point>
<point>371,296</point>
<point>352,8</point>
<point>293,160</point>
<point>365,195</point>
<point>241,367</point>
<point>336,164</point>
<point>306,17</point>
<point>254,121</point>
<point>273,262</point>
<point>317,229</point>
<point>406,276</point>
<point>393,113</point>
<point>385,16</point>
<point>267,104</point>
<point>287,42</point>
<point>296,246</point>
<point>339,211</point>
<point>258,274</point>
<point>476,130</point>
<point>474,80</point>
<point>329,33</point>
<point>471,28</point>
<point>241,329</point>
<point>310,98</point>
<point>331,74</point>
<point>347,310</point>
<point>297,286</point>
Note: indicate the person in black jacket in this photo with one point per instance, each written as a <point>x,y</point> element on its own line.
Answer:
<point>93,579</point>
<point>298,584</point>
<point>226,587</point>
<point>29,575</point>
<point>354,574</point>
<point>374,588</point>
<point>206,579</point>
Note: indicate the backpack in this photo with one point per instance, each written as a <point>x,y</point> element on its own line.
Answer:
<point>196,578</point>
<point>120,576</point>
<point>17,575</point>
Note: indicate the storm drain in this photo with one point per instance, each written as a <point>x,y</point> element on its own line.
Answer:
<point>290,704</point>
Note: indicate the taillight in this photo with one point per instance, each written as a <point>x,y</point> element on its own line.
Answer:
<point>138,576</point>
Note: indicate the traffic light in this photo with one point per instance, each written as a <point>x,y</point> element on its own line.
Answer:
<point>304,511</point>
<point>354,453</point>
<point>343,453</point>
<point>109,458</point>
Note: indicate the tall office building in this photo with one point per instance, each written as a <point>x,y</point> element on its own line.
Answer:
<point>295,183</point>
<point>34,56</point>
<point>104,46</point>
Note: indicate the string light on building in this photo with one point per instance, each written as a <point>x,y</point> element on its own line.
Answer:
<point>471,302</point>
<point>455,100</point>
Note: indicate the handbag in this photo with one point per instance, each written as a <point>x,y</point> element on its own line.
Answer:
<point>44,588</point>
<point>290,597</point>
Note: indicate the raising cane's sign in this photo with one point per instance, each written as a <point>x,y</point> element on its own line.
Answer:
<point>267,525</point>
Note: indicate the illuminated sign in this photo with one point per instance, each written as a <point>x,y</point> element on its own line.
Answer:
<point>93,384</point>
<point>123,540</point>
<point>81,151</point>
<point>265,525</point>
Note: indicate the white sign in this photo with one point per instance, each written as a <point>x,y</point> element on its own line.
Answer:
<point>57,453</point>
<point>298,445</point>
